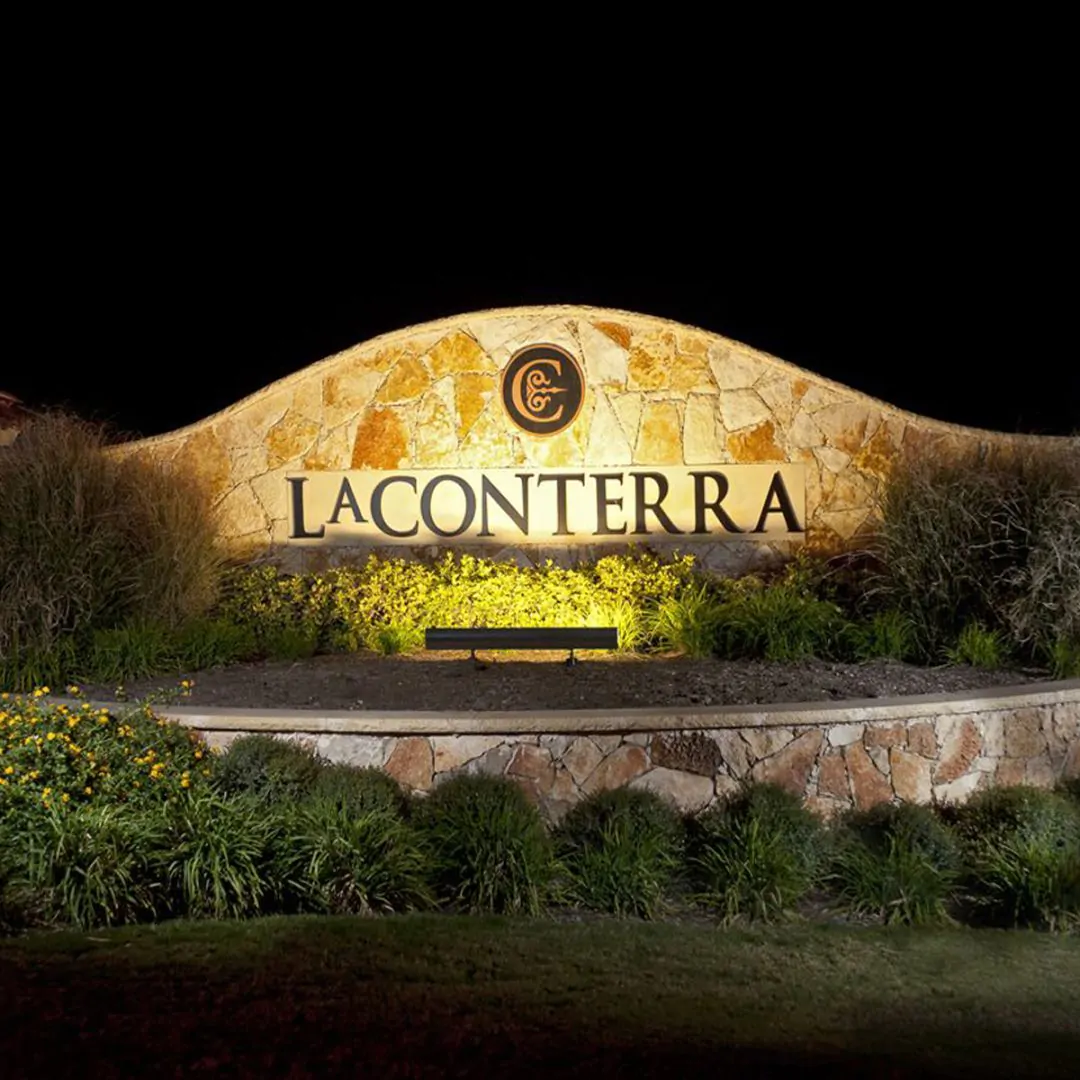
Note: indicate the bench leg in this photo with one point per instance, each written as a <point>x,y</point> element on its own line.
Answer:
<point>571,660</point>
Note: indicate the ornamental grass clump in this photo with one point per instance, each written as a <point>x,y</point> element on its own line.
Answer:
<point>978,647</point>
<point>883,635</point>
<point>1021,857</point>
<point>96,865</point>
<point>897,863</point>
<point>994,542</point>
<point>621,852</point>
<point>220,857</point>
<point>488,848</point>
<point>342,860</point>
<point>92,538</point>
<point>689,621</point>
<point>780,621</point>
<point>756,854</point>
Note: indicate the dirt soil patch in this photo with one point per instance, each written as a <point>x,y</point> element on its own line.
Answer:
<point>444,682</point>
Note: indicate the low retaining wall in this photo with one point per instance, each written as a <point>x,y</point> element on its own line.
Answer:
<point>931,748</point>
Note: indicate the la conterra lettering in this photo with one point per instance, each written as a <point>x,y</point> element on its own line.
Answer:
<point>535,505</point>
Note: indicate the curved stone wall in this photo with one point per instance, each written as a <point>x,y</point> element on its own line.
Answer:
<point>846,754</point>
<point>656,393</point>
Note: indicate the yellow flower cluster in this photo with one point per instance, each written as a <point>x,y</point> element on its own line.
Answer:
<point>57,753</point>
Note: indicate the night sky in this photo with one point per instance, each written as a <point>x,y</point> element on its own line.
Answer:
<point>153,330</point>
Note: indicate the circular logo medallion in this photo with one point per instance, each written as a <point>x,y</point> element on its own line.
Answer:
<point>542,389</point>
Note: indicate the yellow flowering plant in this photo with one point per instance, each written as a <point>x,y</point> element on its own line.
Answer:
<point>354,607</point>
<point>58,753</point>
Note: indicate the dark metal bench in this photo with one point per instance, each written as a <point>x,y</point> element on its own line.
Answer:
<point>542,637</point>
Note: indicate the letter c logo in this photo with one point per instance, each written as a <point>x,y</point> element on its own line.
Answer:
<point>542,389</point>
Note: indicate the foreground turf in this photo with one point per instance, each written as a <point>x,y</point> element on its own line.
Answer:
<point>433,996</point>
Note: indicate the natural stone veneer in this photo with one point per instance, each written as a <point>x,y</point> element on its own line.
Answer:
<point>937,749</point>
<point>657,393</point>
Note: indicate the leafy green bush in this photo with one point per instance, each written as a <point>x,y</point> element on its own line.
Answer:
<point>488,846</point>
<point>92,538</point>
<point>359,791</point>
<point>271,769</point>
<point>385,604</point>
<point>755,854</point>
<point>994,541</point>
<point>218,856</point>
<point>1021,853</point>
<point>897,863</point>
<point>621,851</point>
<point>344,861</point>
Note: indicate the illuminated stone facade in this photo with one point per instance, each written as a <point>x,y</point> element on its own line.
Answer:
<point>656,394</point>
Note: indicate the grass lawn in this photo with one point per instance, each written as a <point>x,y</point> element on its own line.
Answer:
<point>447,996</point>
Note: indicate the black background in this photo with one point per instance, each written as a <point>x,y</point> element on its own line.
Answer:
<point>192,214</point>
<point>161,341</point>
<point>159,270</point>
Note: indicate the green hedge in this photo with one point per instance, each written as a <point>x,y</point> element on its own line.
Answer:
<point>121,818</point>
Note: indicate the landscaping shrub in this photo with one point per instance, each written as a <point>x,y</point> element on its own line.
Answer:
<point>95,865</point>
<point>271,769</point>
<point>978,647</point>
<point>781,621</point>
<point>488,846</point>
<point>621,852</point>
<point>53,754</point>
<point>897,863</point>
<point>220,857</point>
<point>21,907</point>
<point>884,635</point>
<point>342,860</point>
<point>290,643</point>
<point>995,542</point>
<point>756,854</point>
<point>91,539</point>
<point>385,604</point>
<point>1021,857</point>
<point>1064,659</point>
<point>688,622</point>
<point>1071,789</point>
<point>135,650</point>
<point>207,643</point>
<point>359,791</point>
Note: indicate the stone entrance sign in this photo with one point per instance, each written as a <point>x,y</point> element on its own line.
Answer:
<point>661,434</point>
